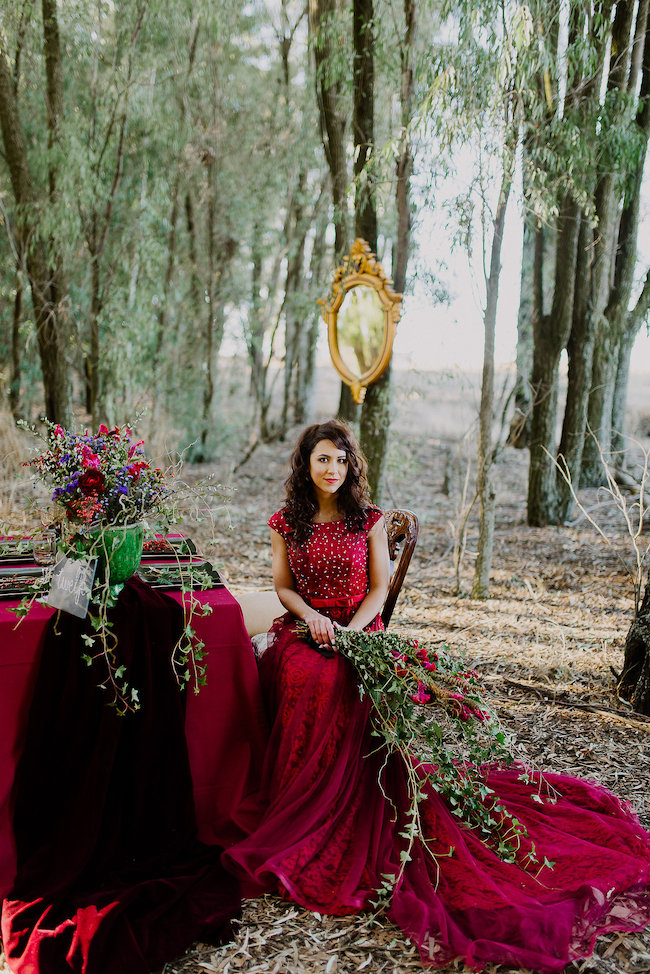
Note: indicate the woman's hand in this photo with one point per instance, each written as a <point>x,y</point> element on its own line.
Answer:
<point>321,629</point>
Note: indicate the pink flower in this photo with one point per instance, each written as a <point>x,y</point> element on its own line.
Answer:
<point>133,449</point>
<point>89,459</point>
<point>429,666</point>
<point>58,430</point>
<point>103,429</point>
<point>421,696</point>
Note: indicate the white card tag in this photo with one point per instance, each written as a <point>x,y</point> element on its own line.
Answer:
<point>71,585</point>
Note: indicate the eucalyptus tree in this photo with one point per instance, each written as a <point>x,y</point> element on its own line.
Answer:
<point>365,53</point>
<point>33,177</point>
<point>585,147</point>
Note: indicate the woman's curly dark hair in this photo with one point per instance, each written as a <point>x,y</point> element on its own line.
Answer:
<point>353,497</point>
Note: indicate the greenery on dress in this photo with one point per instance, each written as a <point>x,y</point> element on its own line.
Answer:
<point>431,710</point>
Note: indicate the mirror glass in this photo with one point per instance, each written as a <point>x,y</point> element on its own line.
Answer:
<point>360,329</point>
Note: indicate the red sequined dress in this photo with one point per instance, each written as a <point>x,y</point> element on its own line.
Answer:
<point>330,832</point>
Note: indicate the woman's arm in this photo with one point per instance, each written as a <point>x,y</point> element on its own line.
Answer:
<point>320,627</point>
<point>378,577</point>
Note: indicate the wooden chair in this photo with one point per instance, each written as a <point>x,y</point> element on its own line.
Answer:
<point>402,528</point>
<point>261,608</point>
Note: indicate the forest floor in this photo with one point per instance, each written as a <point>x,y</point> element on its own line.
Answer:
<point>547,643</point>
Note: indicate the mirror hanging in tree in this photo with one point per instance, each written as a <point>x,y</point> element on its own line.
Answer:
<point>361,312</point>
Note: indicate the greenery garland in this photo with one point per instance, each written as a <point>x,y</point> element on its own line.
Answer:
<point>430,709</point>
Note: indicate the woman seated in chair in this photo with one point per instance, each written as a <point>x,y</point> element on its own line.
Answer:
<point>336,803</point>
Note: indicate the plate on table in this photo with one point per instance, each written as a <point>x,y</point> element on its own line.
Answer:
<point>14,580</point>
<point>170,575</point>
<point>16,551</point>
<point>168,548</point>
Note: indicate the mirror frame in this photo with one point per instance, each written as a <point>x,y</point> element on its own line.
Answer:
<point>361,269</point>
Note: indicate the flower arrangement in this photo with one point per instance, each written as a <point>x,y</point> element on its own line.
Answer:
<point>102,481</point>
<point>101,477</point>
<point>431,710</point>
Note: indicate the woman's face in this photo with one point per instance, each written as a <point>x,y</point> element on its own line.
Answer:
<point>328,467</point>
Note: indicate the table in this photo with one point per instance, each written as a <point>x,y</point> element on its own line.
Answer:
<point>225,724</point>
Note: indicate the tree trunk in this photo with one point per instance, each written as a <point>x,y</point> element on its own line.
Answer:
<point>607,315</point>
<point>373,433</point>
<point>551,334</point>
<point>93,325</point>
<point>296,226</point>
<point>519,435</point>
<point>161,323</point>
<point>580,347</point>
<point>598,436</point>
<point>16,347</point>
<point>49,318</point>
<point>619,403</point>
<point>376,411</point>
<point>373,428</point>
<point>363,121</point>
<point>485,484</point>
<point>634,681</point>
<point>211,312</point>
<point>305,381</point>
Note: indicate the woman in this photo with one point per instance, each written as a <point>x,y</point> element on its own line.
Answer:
<point>335,804</point>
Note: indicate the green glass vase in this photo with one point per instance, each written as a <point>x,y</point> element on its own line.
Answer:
<point>119,549</point>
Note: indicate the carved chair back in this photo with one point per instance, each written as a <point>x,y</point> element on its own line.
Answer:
<point>402,528</point>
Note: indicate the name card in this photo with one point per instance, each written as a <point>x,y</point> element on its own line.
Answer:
<point>71,585</point>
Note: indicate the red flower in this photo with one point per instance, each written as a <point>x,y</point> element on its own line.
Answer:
<point>103,429</point>
<point>136,468</point>
<point>91,482</point>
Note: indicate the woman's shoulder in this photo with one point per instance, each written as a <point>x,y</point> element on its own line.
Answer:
<point>373,514</point>
<point>278,522</point>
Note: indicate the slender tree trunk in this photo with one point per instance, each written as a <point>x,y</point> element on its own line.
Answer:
<point>210,311</point>
<point>519,434</point>
<point>48,315</point>
<point>619,402</point>
<point>373,428</point>
<point>606,317</point>
<point>634,681</point>
<point>363,121</point>
<point>376,412</point>
<point>308,335</point>
<point>551,335</point>
<point>16,347</point>
<point>93,324</point>
<point>295,234</point>
<point>485,482</point>
<point>580,347</point>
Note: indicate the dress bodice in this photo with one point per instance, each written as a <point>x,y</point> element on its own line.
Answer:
<point>333,562</point>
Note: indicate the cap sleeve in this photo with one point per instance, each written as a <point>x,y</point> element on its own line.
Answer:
<point>373,515</point>
<point>278,523</point>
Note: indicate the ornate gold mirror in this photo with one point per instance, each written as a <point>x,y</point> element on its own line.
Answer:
<point>361,312</point>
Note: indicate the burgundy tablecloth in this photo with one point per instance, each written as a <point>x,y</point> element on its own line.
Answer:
<point>225,723</point>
